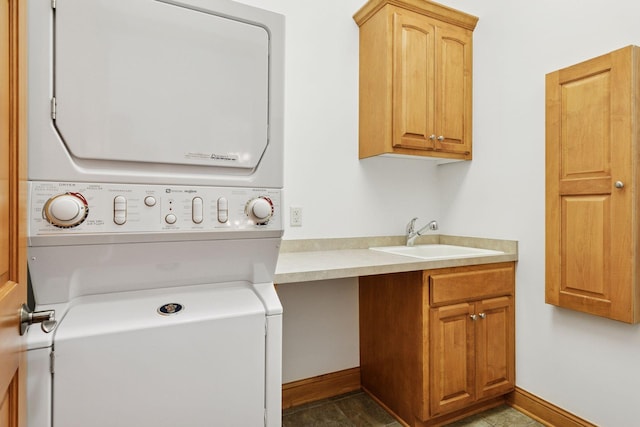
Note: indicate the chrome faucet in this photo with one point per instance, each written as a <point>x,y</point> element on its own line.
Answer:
<point>412,234</point>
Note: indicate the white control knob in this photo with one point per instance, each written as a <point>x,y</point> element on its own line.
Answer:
<point>259,209</point>
<point>66,210</point>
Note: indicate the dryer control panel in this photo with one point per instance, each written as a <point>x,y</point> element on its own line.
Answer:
<point>95,209</point>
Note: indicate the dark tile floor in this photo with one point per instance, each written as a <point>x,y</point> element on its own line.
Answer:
<point>357,409</point>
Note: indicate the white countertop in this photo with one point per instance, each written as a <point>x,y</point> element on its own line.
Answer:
<point>323,259</point>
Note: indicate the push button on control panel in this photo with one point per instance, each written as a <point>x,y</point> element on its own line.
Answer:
<point>170,219</point>
<point>223,210</point>
<point>150,201</point>
<point>196,210</point>
<point>119,210</point>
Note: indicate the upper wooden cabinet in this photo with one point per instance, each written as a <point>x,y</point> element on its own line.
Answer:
<point>592,156</point>
<point>415,79</point>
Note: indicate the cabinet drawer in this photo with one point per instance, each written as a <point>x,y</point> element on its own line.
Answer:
<point>454,286</point>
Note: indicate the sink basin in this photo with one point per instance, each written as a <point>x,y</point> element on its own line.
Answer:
<point>430,252</point>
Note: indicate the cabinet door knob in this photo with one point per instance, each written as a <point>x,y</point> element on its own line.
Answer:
<point>619,184</point>
<point>441,138</point>
<point>482,315</point>
<point>473,316</point>
<point>432,137</point>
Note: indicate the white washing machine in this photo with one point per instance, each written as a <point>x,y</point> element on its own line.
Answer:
<point>155,189</point>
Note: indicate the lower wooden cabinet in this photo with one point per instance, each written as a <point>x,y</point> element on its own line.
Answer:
<point>437,344</point>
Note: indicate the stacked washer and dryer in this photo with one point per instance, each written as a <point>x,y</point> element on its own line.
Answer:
<point>155,188</point>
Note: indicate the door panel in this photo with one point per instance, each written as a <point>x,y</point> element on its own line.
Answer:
<point>453,89</point>
<point>586,127</point>
<point>134,76</point>
<point>584,253</point>
<point>413,82</point>
<point>495,360</point>
<point>452,349</point>
<point>589,242</point>
<point>12,244</point>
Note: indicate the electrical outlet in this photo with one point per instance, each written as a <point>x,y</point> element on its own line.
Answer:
<point>295,216</point>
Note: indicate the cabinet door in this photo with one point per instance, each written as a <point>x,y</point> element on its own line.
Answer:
<point>413,81</point>
<point>452,362</point>
<point>453,62</point>
<point>495,354</point>
<point>589,242</point>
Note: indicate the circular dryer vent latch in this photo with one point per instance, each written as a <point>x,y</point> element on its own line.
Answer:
<point>171,308</point>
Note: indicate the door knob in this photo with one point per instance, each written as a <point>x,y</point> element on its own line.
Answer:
<point>46,319</point>
<point>473,316</point>
<point>619,184</point>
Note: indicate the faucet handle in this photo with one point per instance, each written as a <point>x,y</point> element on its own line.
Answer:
<point>411,225</point>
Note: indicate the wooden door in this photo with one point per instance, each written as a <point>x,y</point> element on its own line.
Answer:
<point>495,354</point>
<point>589,229</point>
<point>452,358</point>
<point>413,81</point>
<point>12,245</point>
<point>453,101</point>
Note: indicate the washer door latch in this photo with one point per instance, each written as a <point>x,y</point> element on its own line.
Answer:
<point>46,318</point>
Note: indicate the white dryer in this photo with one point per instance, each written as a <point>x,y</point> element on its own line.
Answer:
<point>155,91</point>
<point>155,191</point>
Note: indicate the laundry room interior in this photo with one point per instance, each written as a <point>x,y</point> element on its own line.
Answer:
<point>295,218</point>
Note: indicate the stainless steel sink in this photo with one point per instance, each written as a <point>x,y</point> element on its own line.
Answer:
<point>432,252</point>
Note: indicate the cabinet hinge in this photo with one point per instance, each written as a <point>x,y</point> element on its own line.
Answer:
<point>53,108</point>
<point>52,362</point>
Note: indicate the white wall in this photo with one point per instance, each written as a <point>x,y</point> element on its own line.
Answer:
<point>582,363</point>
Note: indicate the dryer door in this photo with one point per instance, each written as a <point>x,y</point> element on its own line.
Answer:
<point>148,81</point>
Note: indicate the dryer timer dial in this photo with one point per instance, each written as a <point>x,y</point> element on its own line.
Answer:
<point>66,210</point>
<point>259,209</point>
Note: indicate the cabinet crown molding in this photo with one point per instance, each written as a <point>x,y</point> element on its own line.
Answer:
<point>424,7</point>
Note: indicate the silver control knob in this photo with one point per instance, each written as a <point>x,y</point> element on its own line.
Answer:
<point>259,209</point>
<point>66,210</point>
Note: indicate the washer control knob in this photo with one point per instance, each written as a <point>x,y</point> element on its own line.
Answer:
<point>259,209</point>
<point>66,210</point>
